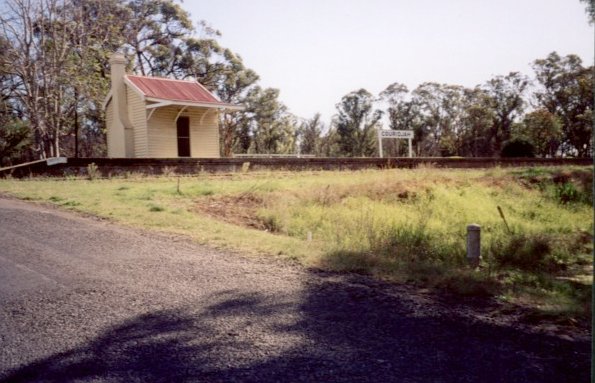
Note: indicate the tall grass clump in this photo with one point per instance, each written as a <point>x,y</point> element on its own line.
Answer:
<point>93,171</point>
<point>523,251</point>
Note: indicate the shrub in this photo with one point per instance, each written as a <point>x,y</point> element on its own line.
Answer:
<point>156,208</point>
<point>567,192</point>
<point>271,223</point>
<point>526,252</point>
<point>168,171</point>
<point>93,171</point>
<point>518,147</point>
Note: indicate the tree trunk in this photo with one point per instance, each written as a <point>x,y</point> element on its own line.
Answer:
<point>76,125</point>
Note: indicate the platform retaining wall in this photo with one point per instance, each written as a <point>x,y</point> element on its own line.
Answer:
<point>122,166</point>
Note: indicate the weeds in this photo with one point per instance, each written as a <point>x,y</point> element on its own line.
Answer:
<point>522,251</point>
<point>168,171</point>
<point>155,208</point>
<point>567,193</point>
<point>93,171</point>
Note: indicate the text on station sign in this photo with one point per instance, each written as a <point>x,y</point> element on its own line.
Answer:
<point>397,133</point>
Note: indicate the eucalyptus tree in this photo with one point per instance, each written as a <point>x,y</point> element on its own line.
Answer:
<point>440,109</point>
<point>37,53</point>
<point>543,129</point>
<point>566,90</point>
<point>310,135</point>
<point>97,31</point>
<point>403,114</point>
<point>154,33</point>
<point>476,123</point>
<point>14,133</point>
<point>234,84</point>
<point>356,123</point>
<point>507,100</point>
<point>329,142</point>
<point>268,127</point>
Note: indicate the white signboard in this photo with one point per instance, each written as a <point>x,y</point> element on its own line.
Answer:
<point>396,133</point>
<point>404,134</point>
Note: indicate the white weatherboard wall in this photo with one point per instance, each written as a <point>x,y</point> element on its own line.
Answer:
<point>204,138</point>
<point>138,118</point>
<point>162,133</point>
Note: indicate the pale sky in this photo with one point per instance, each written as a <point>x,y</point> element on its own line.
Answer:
<point>316,51</point>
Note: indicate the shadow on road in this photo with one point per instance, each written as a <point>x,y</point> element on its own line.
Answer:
<point>341,332</point>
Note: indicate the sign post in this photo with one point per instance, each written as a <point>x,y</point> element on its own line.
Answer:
<point>399,134</point>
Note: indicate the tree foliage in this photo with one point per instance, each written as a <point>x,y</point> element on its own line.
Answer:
<point>309,134</point>
<point>567,92</point>
<point>506,95</point>
<point>544,130</point>
<point>356,123</point>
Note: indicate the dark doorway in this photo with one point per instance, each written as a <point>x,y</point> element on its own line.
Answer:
<point>183,126</point>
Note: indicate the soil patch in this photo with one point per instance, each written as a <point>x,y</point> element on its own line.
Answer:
<point>240,210</point>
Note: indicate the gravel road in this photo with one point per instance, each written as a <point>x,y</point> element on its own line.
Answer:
<point>85,300</point>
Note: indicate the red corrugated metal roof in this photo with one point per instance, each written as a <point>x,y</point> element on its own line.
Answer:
<point>175,90</point>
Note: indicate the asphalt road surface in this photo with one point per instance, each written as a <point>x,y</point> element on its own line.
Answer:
<point>84,300</point>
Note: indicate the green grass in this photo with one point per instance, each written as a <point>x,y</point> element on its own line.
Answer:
<point>401,225</point>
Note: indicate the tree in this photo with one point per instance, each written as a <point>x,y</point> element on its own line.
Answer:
<point>440,109</point>
<point>356,123</point>
<point>155,31</point>
<point>403,114</point>
<point>97,31</point>
<point>544,131</point>
<point>233,86</point>
<point>57,54</point>
<point>506,96</point>
<point>269,127</point>
<point>476,124</point>
<point>567,92</point>
<point>329,142</point>
<point>38,49</point>
<point>309,133</point>
<point>14,139</point>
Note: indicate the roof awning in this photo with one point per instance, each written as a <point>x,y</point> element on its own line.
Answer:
<point>153,103</point>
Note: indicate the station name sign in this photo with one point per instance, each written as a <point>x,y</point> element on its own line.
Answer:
<point>385,133</point>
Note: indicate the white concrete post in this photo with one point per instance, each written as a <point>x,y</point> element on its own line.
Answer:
<point>380,142</point>
<point>410,150</point>
<point>473,244</point>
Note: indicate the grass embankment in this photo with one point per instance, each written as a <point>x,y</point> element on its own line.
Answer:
<point>402,225</point>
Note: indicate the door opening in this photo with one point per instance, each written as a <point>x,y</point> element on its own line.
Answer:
<point>183,130</point>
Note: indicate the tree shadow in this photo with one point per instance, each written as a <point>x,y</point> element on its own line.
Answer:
<point>341,329</point>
